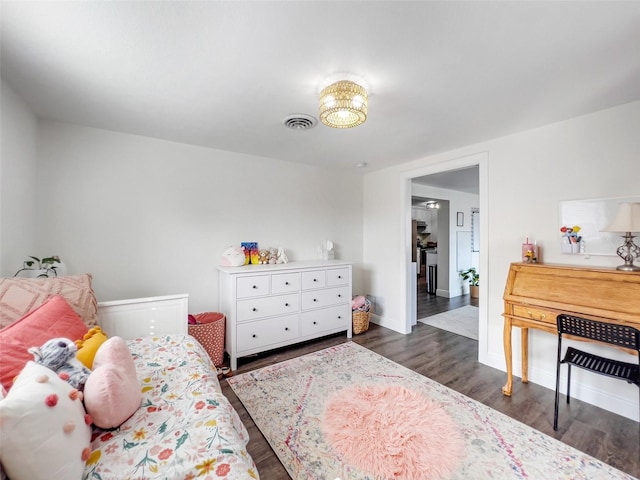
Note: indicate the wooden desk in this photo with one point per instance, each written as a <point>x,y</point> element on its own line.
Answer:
<point>535,294</point>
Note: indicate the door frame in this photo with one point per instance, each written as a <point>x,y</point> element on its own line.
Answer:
<point>481,159</point>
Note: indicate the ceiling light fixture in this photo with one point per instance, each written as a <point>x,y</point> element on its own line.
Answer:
<point>343,104</point>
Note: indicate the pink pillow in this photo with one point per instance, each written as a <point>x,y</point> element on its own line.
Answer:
<point>112,392</point>
<point>54,318</point>
<point>18,296</point>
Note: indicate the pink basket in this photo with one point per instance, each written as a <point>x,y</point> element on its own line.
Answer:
<point>209,332</point>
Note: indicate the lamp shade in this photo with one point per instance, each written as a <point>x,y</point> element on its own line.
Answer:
<point>627,219</point>
<point>343,104</point>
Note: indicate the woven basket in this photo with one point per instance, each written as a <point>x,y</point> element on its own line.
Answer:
<point>360,322</point>
<point>209,332</point>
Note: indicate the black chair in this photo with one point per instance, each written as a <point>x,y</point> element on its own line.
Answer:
<point>619,335</point>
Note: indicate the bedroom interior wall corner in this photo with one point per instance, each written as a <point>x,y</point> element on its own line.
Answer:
<point>18,219</point>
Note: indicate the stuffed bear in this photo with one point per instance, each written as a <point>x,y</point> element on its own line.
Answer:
<point>273,255</point>
<point>59,354</point>
<point>263,257</point>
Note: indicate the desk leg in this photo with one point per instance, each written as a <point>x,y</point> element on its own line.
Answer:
<point>506,338</point>
<point>525,355</point>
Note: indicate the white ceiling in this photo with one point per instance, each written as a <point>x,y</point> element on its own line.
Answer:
<point>224,74</point>
<point>463,180</point>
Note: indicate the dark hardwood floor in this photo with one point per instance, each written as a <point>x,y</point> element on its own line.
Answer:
<point>452,360</point>
<point>429,304</point>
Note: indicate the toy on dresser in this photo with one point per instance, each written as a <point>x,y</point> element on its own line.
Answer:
<point>263,257</point>
<point>273,255</point>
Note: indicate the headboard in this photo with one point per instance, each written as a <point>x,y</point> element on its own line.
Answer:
<point>138,317</point>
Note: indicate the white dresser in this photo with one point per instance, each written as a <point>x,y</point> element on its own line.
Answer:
<point>270,306</point>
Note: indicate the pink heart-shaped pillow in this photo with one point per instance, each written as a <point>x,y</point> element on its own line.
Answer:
<point>112,391</point>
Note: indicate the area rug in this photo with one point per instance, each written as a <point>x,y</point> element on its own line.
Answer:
<point>462,321</point>
<point>288,401</point>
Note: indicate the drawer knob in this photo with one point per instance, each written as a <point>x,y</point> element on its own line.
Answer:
<point>315,299</point>
<point>254,335</point>
<point>255,286</point>
<point>286,283</point>
<point>339,276</point>
<point>286,304</point>
<point>286,329</point>
<point>529,313</point>
<point>254,309</point>
<point>315,323</point>
<point>315,279</point>
<point>339,295</point>
<point>339,317</point>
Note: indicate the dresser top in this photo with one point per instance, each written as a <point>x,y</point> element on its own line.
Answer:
<point>284,266</point>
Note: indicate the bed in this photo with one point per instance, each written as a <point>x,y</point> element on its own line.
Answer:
<point>183,427</point>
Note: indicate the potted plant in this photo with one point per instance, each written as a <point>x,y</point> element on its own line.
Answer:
<point>474,281</point>
<point>38,268</point>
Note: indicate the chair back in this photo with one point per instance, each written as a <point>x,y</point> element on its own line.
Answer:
<point>619,335</point>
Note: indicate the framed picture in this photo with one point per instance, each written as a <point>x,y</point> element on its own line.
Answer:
<point>460,222</point>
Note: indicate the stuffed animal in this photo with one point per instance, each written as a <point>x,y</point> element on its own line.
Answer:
<point>233,257</point>
<point>273,255</point>
<point>282,257</point>
<point>263,257</point>
<point>59,354</point>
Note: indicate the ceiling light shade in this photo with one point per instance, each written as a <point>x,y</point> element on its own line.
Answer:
<point>343,104</point>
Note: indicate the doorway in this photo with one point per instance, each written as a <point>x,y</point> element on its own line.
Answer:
<point>460,179</point>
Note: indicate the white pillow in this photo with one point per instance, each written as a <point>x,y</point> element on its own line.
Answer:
<point>41,440</point>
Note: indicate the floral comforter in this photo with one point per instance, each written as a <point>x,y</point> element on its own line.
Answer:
<point>185,427</point>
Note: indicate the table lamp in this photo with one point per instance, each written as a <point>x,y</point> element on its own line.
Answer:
<point>627,221</point>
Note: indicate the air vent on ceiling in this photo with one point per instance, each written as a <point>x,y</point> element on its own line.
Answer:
<point>299,121</point>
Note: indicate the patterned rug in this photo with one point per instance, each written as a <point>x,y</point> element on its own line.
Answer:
<point>462,321</point>
<point>287,402</point>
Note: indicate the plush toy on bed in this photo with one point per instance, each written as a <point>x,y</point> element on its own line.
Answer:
<point>59,354</point>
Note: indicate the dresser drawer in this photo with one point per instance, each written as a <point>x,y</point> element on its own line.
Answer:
<point>325,319</point>
<point>285,283</point>
<point>255,286</point>
<point>325,298</point>
<point>255,335</point>
<point>535,313</point>
<point>254,308</point>
<point>314,279</point>
<point>337,276</point>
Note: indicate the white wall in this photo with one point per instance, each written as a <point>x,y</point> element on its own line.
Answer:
<point>527,175</point>
<point>151,217</point>
<point>18,189</point>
